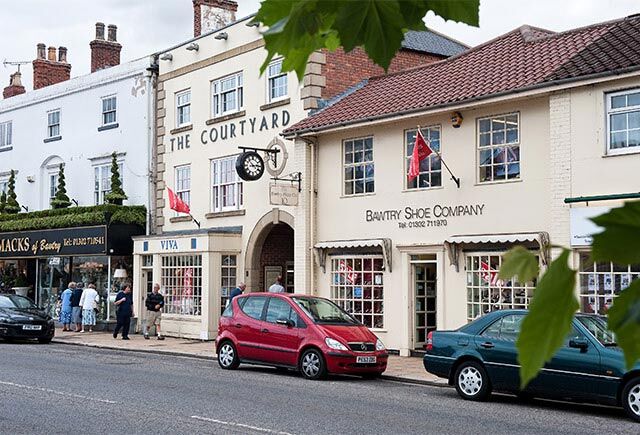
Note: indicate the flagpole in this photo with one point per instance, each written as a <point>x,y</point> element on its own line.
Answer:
<point>453,177</point>
<point>194,219</point>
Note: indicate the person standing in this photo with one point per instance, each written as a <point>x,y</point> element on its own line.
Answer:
<point>76,309</point>
<point>65,308</point>
<point>277,286</point>
<point>237,291</point>
<point>154,304</point>
<point>124,312</point>
<point>89,302</point>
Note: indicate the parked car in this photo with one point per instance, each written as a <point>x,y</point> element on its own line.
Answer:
<point>306,333</point>
<point>482,356</point>
<point>22,319</point>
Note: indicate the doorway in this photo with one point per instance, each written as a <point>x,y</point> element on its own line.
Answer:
<point>424,277</point>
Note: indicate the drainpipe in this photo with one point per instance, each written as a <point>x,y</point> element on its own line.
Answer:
<point>151,75</point>
<point>312,142</point>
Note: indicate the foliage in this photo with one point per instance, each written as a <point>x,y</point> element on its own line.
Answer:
<point>554,305</point>
<point>12,206</point>
<point>521,263</point>
<point>297,28</point>
<point>61,199</point>
<point>72,217</point>
<point>117,195</point>
<point>3,202</point>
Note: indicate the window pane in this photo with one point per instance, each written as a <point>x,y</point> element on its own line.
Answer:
<point>485,125</point>
<point>634,138</point>
<point>618,140</point>
<point>485,139</point>
<point>633,99</point>
<point>634,119</point>
<point>618,101</point>
<point>619,122</point>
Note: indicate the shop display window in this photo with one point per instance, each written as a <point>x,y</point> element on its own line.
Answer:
<point>431,167</point>
<point>229,276</point>
<point>601,282</point>
<point>486,293</point>
<point>357,286</point>
<point>181,279</point>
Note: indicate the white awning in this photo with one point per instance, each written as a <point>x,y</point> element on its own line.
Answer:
<point>453,243</point>
<point>322,248</point>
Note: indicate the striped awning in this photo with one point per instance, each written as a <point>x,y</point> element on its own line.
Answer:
<point>322,248</point>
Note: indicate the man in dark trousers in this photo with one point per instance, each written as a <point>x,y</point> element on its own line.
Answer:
<point>124,312</point>
<point>154,304</point>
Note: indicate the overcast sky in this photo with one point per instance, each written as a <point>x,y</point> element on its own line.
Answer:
<point>147,26</point>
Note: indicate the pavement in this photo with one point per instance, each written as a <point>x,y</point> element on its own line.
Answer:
<point>62,389</point>
<point>401,369</point>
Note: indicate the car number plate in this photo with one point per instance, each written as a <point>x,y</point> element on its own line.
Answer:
<point>32,327</point>
<point>366,359</point>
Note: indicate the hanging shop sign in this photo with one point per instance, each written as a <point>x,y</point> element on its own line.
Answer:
<point>423,217</point>
<point>53,243</point>
<point>582,227</point>
<point>283,194</point>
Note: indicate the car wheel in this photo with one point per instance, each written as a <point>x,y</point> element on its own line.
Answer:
<point>472,381</point>
<point>312,365</point>
<point>228,356</point>
<point>44,340</point>
<point>631,399</point>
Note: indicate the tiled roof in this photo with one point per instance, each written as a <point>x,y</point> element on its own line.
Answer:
<point>431,42</point>
<point>522,58</point>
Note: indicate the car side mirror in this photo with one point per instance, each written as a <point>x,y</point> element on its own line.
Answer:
<point>285,322</point>
<point>579,343</point>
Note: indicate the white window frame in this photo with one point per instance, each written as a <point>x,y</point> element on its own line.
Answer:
<point>274,72</point>
<point>6,134</point>
<point>217,93</point>
<point>53,186</point>
<point>622,110</point>
<point>367,309</point>
<point>51,126</point>
<point>4,185</point>
<point>432,161</point>
<point>183,184</point>
<point>182,294</point>
<point>228,277</point>
<point>109,110</point>
<point>183,108</point>
<point>509,147</point>
<point>224,178</point>
<point>102,183</point>
<point>349,165</point>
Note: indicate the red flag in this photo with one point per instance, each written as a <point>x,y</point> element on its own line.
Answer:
<point>421,150</point>
<point>177,204</point>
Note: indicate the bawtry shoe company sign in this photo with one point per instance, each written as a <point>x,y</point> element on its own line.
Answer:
<point>422,217</point>
<point>63,241</point>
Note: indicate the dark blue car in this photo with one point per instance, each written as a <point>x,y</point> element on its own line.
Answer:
<point>482,356</point>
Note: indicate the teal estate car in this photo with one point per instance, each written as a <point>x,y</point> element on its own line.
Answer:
<point>482,356</point>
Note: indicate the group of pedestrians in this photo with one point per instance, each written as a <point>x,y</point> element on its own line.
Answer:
<point>79,306</point>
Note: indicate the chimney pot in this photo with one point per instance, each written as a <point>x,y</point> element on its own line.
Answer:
<point>51,55</point>
<point>15,86</point>
<point>99,30</point>
<point>112,32</point>
<point>62,54</point>
<point>41,50</point>
<point>15,79</point>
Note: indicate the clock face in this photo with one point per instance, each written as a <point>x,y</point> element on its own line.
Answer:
<point>250,166</point>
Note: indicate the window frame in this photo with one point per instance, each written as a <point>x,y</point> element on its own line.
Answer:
<point>181,193</point>
<point>407,158</point>
<point>50,125</point>
<point>99,183</point>
<point>4,185</point>
<point>114,110</point>
<point>492,146</point>
<point>608,96</point>
<point>53,186</point>
<point>217,186</point>
<point>216,97</point>
<point>353,165</point>
<point>270,78</point>
<point>6,135</point>
<point>180,108</point>
<point>173,284</point>
<point>225,273</point>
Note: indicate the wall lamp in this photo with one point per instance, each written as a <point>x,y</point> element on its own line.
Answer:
<point>193,47</point>
<point>167,56</point>
<point>221,35</point>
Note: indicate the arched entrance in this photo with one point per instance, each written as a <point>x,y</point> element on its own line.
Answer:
<point>270,252</point>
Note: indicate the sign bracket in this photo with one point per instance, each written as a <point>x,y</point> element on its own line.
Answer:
<point>294,177</point>
<point>271,154</point>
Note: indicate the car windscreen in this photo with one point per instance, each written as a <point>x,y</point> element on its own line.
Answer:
<point>323,311</point>
<point>597,326</point>
<point>11,301</point>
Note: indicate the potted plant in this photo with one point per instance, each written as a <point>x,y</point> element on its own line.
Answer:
<point>21,285</point>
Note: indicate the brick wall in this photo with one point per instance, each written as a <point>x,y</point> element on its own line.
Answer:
<point>277,250</point>
<point>46,72</point>
<point>343,70</point>
<point>229,5</point>
<point>104,54</point>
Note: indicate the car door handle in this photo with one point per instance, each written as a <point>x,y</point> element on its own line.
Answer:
<point>487,345</point>
<point>238,325</point>
<point>264,330</point>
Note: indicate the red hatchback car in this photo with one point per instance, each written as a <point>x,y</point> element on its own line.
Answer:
<point>306,333</point>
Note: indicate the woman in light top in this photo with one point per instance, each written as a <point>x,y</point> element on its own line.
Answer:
<point>89,302</point>
<point>65,309</point>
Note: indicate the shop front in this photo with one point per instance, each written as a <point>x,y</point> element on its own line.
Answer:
<point>40,264</point>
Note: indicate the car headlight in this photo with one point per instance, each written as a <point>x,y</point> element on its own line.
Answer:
<point>6,320</point>
<point>379,344</point>
<point>335,344</point>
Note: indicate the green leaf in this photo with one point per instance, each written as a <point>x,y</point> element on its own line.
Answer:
<point>624,320</point>
<point>519,262</point>
<point>462,11</point>
<point>620,240</point>
<point>548,322</point>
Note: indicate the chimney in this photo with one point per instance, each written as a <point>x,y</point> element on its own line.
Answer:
<point>15,86</point>
<point>105,53</point>
<point>209,15</point>
<point>49,70</point>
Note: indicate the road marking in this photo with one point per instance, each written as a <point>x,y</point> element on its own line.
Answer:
<point>60,393</point>
<point>244,426</point>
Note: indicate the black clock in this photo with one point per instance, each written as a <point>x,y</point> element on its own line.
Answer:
<point>250,166</point>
